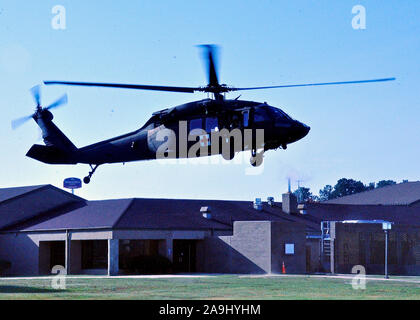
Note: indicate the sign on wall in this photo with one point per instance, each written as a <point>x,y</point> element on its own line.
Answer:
<point>289,248</point>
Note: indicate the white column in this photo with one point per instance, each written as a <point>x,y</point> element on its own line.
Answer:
<point>67,252</point>
<point>113,257</point>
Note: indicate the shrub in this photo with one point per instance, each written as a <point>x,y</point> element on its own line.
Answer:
<point>4,265</point>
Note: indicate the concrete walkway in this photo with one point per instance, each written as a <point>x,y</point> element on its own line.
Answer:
<point>413,279</point>
<point>164,276</point>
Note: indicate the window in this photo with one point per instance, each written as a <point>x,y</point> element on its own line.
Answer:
<point>246,119</point>
<point>131,251</point>
<point>277,113</point>
<point>211,125</point>
<point>261,115</point>
<point>94,254</point>
<point>196,124</point>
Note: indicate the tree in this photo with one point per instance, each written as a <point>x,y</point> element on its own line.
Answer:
<point>384,183</point>
<point>303,194</point>
<point>326,193</point>
<point>345,187</point>
<point>370,186</point>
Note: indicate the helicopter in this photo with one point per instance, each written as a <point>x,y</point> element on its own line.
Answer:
<point>212,126</point>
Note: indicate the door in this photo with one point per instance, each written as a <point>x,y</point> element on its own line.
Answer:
<point>57,254</point>
<point>184,255</point>
<point>308,259</point>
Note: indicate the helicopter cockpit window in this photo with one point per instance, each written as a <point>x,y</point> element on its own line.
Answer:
<point>196,124</point>
<point>211,124</point>
<point>261,115</point>
<point>277,113</point>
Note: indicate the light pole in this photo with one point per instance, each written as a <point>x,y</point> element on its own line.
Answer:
<point>386,226</point>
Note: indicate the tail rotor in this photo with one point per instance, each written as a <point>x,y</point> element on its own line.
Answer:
<point>36,94</point>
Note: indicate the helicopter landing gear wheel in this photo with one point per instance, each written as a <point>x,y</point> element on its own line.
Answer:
<point>86,179</point>
<point>257,158</point>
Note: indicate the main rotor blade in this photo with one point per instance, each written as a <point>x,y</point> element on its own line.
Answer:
<point>59,102</point>
<point>314,84</point>
<point>210,54</point>
<point>20,121</point>
<point>125,86</point>
<point>36,93</point>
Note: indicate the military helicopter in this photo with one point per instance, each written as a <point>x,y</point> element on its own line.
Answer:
<point>211,126</point>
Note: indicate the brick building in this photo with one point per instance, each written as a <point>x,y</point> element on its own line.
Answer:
<point>43,226</point>
<point>352,230</point>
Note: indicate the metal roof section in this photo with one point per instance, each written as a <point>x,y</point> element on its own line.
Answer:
<point>10,193</point>
<point>405,193</point>
<point>365,221</point>
<point>23,204</point>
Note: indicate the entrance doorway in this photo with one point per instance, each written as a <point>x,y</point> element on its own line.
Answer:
<point>308,259</point>
<point>58,254</point>
<point>51,253</point>
<point>184,255</point>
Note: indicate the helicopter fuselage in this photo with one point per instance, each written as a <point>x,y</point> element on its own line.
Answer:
<point>175,131</point>
<point>195,129</point>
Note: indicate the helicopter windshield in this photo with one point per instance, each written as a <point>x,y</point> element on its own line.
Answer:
<point>269,113</point>
<point>277,113</point>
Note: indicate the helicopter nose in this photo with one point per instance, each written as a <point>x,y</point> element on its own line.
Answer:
<point>304,129</point>
<point>301,130</point>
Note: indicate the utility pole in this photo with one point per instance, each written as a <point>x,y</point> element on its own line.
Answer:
<point>386,254</point>
<point>386,226</point>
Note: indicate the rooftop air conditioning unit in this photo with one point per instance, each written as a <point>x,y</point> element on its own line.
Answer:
<point>206,212</point>
<point>258,204</point>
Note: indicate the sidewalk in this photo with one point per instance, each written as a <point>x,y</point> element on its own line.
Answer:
<point>408,279</point>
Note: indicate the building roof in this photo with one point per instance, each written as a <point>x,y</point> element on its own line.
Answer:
<point>92,215</point>
<point>10,193</point>
<point>406,193</point>
<point>177,214</point>
<point>22,204</point>
<point>46,207</point>
<point>338,212</point>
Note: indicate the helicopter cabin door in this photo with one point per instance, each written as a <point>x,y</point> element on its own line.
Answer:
<point>247,118</point>
<point>211,125</point>
<point>206,126</point>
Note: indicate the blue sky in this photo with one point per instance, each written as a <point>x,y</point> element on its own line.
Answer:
<point>366,132</point>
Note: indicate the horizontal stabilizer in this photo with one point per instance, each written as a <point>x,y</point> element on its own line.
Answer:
<point>50,155</point>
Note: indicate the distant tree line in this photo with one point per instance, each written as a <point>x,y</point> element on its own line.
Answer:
<point>343,187</point>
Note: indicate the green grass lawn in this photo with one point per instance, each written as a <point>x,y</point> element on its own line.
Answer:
<point>215,287</point>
